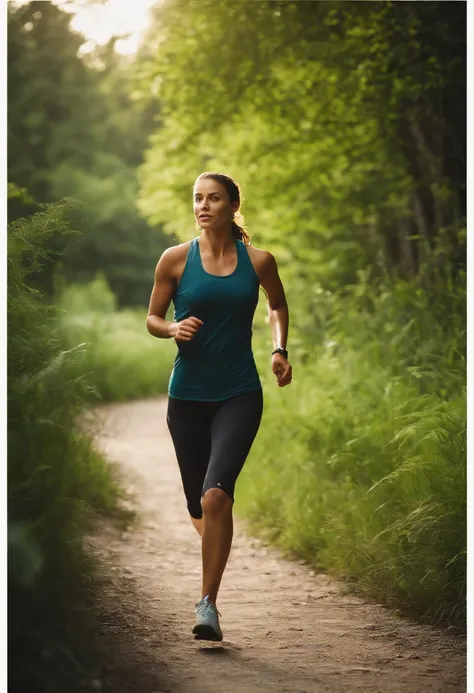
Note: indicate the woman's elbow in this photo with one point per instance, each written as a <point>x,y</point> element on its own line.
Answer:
<point>281,305</point>
<point>149,322</point>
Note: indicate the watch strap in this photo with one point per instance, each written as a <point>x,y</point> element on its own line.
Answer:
<point>280,350</point>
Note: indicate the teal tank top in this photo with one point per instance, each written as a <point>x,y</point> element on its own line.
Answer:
<point>218,362</point>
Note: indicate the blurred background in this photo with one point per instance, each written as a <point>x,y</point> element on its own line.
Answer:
<point>345,125</point>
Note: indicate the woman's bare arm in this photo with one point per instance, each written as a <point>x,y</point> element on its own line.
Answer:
<point>161,295</point>
<point>278,316</point>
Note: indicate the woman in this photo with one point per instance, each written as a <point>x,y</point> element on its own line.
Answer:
<point>215,396</point>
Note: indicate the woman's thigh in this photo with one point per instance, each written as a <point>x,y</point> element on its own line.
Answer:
<point>233,429</point>
<point>189,424</point>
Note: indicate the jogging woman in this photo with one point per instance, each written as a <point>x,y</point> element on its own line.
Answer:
<point>215,397</point>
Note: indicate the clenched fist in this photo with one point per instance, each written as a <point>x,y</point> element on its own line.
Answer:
<point>282,369</point>
<point>186,329</point>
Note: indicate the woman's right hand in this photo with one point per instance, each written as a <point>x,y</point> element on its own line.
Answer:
<point>186,329</point>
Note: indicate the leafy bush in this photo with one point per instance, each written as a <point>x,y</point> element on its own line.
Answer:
<point>55,479</point>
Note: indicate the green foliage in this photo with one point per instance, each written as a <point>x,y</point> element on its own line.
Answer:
<point>49,95</point>
<point>330,115</point>
<point>55,479</point>
<point>74,130</point>
<point>119,359</point>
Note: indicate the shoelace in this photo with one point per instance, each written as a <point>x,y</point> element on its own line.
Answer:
<point>202,606</point>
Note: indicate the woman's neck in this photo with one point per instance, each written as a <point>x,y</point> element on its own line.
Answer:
<point>218,241</point>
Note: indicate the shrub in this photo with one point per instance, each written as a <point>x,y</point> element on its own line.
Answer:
<point>55,479</point>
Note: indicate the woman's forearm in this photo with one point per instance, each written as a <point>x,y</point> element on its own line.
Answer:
<point>279,321</point>
<point>159,327</point>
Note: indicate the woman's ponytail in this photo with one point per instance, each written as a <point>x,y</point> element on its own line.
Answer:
<point>239,233</point>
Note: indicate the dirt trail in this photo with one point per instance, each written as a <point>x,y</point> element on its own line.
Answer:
<point>285,628</point>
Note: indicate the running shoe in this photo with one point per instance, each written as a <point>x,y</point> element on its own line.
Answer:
<point>207,621</point>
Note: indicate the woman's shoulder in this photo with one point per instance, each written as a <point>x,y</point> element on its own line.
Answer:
<point>261,260</point>
<point>177,251</point>
<point>260,256</point>
<point>173,259</point>
<point>258,253</point>
<point>175,254</point>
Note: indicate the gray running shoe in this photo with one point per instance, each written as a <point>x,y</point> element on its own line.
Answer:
<point>207,621</point>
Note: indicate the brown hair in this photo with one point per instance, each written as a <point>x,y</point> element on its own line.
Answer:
<point>233,191</point>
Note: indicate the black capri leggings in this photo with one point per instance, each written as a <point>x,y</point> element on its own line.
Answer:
<point>212,441</point>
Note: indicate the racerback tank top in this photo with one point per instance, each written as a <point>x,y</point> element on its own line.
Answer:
<point>218,362</point>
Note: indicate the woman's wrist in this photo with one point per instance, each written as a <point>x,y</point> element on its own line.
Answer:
<point>172,329</point>
<point>281,350</point>
<point>158,327</point>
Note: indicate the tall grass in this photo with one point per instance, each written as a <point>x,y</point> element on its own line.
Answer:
<point>119,358</point>
<point>360,466</point>
<point>56,481</point>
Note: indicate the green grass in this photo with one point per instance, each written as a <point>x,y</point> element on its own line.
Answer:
<point>118,357</point>
<point>359,466</point>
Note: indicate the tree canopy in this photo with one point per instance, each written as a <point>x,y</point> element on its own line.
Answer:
<point>75,131</point>
<point>340,120</point>
<point>343,122</point>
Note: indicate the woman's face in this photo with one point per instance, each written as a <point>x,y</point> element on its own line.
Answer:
<point>212,207</point>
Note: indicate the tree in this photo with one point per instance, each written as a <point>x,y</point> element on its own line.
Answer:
<point>336,116</point>
<point>74,131</point>
<point>50,96</point>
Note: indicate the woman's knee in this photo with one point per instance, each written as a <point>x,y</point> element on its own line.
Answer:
<point>216,502</point>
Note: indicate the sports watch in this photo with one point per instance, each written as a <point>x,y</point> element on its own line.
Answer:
<point>283,352</point>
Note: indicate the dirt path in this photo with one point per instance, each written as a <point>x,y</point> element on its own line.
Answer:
<point>285,628</point>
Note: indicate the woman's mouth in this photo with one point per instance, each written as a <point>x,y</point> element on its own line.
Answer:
<point>204,217</point>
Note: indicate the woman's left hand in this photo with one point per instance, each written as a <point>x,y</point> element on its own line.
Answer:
<point>282,369</point>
